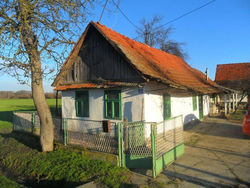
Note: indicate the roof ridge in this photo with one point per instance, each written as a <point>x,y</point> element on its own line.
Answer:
<point>147,46</point>
<point>233,63</point>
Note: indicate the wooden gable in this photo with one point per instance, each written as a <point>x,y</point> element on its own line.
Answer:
<point>99,60</point>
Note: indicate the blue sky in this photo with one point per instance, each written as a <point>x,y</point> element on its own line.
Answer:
<point>216,34</point>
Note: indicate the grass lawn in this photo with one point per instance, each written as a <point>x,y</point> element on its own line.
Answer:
<point>7,106</point>
<point>7,183</point>
<point>64,167</point>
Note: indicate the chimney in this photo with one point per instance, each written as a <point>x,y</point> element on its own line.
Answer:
<point>206,73</point>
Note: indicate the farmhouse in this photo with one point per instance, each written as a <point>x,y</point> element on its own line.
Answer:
<point>123,97</point>
<point>108,76</point>
<point>235,76</point>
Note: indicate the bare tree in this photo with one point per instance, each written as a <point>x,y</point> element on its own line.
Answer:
<point>33,35</point>
<point>152,34</point>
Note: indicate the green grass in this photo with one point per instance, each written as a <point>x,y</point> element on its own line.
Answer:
<point>7,183</point>
<point>7,106</point>
<point>64,167</point>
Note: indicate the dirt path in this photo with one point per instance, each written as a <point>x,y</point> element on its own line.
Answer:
<point>216,155</point>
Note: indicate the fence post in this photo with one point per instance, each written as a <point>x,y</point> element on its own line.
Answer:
<point>153,144</point>
<point>119,144</point>
<point>33,122</point>
<point>121,155</point>
<point>65,128</point>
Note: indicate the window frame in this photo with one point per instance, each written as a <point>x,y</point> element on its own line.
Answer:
<point>194,101</point>
<point>82,100</point>
<point>106,100</point>
<point>164,107</point>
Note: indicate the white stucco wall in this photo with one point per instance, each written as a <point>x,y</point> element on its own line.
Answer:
<point>137,105</point>
<point>184,106</point>
<point>180,105</point>
<point>153,107</point>
<point>206,104</point>
<point>132,104</point>
<point>68,104</point>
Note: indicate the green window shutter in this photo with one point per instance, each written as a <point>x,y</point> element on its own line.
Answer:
<point>167,107</point>
<point>194,103</point>
<point>112,102</point>
<point>76,105</point>
<point>82,103</point>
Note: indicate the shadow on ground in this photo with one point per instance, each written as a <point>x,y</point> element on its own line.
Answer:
<point>54,183</point>
<point>229,130</point>
<point>226,152</point>
<point>6,116</point>
<point>27,139</point>
<point>196,180</point>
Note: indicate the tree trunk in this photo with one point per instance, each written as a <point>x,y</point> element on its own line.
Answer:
<point>46,122</point>
<point>31,43</point>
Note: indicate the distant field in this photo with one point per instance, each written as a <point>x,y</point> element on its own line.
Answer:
<point>7,106</point>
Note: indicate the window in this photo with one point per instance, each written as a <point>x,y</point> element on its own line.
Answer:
<point>194,103</point>
<point>82,104</point>
<point>167,107</point>
<point>112,100</point>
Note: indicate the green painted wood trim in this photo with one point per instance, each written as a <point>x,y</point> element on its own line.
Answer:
<point>167,106</point>
<point>122,147</point>
<point>194,99</point>
<point>119,145</point>
<point>106,100</point>
<point>138,161</point>
<point>153,144</point>
<point>168,158</point>
<point>83,100</point>
<point>65,128</point>
<point>120,105</point>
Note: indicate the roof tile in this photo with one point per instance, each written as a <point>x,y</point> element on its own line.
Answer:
<point>232,72</point>
<point>152,62</point>
<point>158,64</point>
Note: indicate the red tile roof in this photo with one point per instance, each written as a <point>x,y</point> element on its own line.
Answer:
<point>235,76</point>
<point>154,63</point>
<point>236,71</point>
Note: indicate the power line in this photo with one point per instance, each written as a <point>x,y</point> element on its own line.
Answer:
<point>171,21</point>
<point>177,18</point>
<point>187,13</point>
<point>103,10</point>
<point>127,18</point>
<point>116,14</point>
